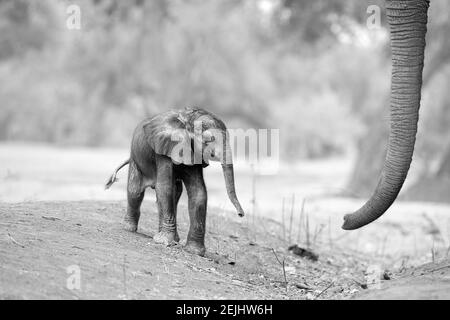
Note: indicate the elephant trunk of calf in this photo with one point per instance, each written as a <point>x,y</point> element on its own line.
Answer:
<point>408,25</point>
<point>228,174</point>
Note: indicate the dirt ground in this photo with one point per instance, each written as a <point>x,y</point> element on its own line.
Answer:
<point>430,281</point>
<point>41,241</point>
<point>55,217</point>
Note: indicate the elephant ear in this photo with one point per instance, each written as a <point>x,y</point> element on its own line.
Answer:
<point>169,136</point>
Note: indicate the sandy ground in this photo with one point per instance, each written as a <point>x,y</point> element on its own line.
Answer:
<point>426,282</point>
<point>42,241</point>
<point>55,214</point>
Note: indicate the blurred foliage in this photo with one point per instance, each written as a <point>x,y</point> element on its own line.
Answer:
<point>309,68</point>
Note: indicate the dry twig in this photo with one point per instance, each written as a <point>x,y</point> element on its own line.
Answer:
<point>323,291</point>
<point>283,266</point>
<point>14,241</point>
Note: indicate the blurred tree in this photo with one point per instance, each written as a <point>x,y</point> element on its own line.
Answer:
<point>319,22</point>
<point>25,26</point>
<point>309,68</point>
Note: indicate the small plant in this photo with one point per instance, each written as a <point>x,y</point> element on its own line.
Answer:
<point>282,264</point>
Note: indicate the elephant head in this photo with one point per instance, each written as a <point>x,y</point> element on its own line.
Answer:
<point>408,25</point>
<point>193,136</point>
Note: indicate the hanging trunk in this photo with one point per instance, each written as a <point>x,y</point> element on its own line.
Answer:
<point>408,25</point>
<point>228,174</point>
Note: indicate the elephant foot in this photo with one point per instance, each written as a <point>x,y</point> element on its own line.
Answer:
<point>130,222</point>
<point>195,248</point>
<point>130,225</point>
<point>167,238</point>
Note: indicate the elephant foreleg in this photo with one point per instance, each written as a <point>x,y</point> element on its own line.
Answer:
<point>196,190</point>
<point>165,198</point>
<point>135,195</point>
<point>178,192</point>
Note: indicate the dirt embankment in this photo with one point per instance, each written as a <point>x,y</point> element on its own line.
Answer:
<point>43,243</point>
<point>47,247</point>
<point>430,281</point>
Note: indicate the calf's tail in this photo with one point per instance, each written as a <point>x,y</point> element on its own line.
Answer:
<point>113,177</point>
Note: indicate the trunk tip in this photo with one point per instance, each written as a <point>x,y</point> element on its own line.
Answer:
<point>349,222</point>
<point>241,214</point>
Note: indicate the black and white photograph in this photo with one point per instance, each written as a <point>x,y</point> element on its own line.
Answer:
<point>239,152</point>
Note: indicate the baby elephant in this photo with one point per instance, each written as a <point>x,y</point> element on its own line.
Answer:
<point>167,151</point>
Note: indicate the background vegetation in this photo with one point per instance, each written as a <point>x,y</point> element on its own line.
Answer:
<point>310,68</point>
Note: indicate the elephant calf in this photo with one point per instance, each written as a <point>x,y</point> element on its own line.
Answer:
<point>167,151</point>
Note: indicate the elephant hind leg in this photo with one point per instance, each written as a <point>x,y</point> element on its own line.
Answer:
<point>135,195</point>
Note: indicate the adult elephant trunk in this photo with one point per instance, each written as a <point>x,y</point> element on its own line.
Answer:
<point>408,25</point>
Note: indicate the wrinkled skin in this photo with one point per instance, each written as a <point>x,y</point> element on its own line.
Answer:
<point>408,25</point>
<point>155,162</point>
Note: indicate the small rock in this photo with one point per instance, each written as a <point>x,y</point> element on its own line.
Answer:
<point>353,291</point>
<point>50,218</point>
<point>310,296</point>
